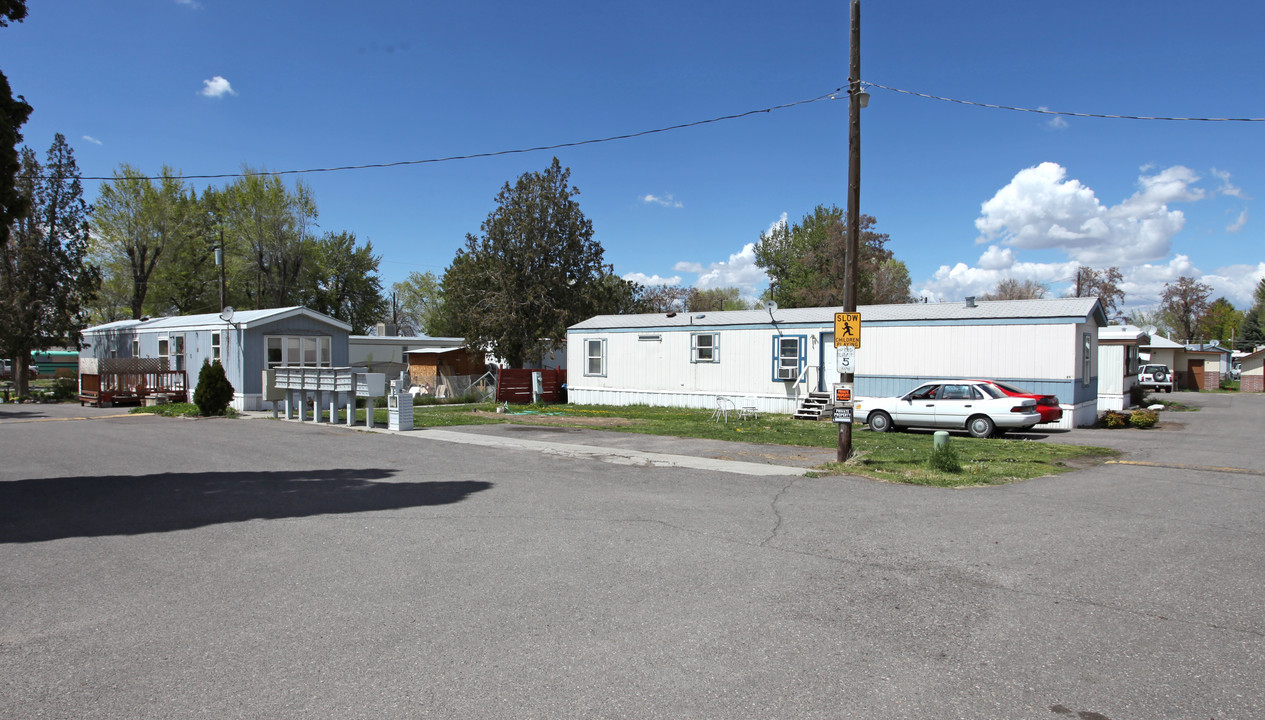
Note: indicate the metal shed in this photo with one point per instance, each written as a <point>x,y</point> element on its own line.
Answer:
<point>245,342</point>
<point>774,360</point>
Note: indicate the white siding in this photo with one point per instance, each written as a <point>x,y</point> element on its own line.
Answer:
<point>1007,351</point>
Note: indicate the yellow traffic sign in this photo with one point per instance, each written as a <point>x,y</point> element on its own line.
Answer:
<point>848,329</point>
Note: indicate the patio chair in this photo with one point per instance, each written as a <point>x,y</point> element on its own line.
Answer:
<point>748,410</point>
<point>724,406</point>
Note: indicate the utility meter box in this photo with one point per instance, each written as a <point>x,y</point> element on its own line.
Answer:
<point>399,411</point>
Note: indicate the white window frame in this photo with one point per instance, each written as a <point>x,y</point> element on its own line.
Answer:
<point>786,368</point>
<point>600,357</point>
<point>216,338</point>
<point>136,347</point>
<point>299,350</point>
<point>709,353</point>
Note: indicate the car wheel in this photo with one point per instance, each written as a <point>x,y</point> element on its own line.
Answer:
<point>980,426</point>
<point>880,421</point>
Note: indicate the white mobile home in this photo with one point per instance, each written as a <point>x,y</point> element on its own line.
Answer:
<point>774,360</point>
<point>1118,363</point>
<point>246,343</point>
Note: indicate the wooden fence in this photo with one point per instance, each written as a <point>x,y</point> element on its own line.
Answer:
<point>514,386</point>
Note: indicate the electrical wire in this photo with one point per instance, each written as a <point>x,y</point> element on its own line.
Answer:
<point>828,96</point>
<point>1043,111</point>
<point>833,95</point>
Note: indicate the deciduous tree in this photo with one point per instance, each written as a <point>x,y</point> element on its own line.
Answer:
<point>1102,284</point>
<point>533,270</point>
<point>1012,289</point>
<point>268,226</point>
<point>1221,321</point>
<point>342,281</point>
<point>1185,301</point>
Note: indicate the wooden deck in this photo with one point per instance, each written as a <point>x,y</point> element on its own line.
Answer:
<point>133,388</point>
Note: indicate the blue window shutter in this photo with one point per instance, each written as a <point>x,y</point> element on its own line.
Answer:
<point>776,349</point>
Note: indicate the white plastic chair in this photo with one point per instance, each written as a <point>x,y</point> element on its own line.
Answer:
<point>724,406</point>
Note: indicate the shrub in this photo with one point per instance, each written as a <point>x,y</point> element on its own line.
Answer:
<point>1143,418</point>
<point>945,459</point>
<point>66,385</point>
<point>1137,395</point>
<point>1114,420</point>
<point>214,391</point>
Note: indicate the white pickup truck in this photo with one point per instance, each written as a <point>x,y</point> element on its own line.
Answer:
<point>1156,377</point>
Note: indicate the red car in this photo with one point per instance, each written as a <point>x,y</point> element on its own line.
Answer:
<point>1047,405</point>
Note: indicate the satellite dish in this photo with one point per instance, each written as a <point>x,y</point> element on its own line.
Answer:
<point>770,306</point>
<point>227,314</point>
<point>1151,329</point>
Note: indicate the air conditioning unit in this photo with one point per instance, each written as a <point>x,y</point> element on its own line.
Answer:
<point>785,373</point>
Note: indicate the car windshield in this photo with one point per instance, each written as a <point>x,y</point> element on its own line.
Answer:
<point>1010,388</point>
<point>991,391</point>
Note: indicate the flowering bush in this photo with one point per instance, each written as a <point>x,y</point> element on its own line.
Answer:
<point>1114,420</point>
<point>1143,418</point>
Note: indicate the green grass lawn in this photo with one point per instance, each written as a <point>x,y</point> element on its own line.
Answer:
<point>895,457</point>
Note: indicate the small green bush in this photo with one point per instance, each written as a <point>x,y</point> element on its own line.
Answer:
<point>66,385</point>
<point>1137,394</point>
<point>1114,420</point>
<point>945,459</point>
<point>214,391</point>
<point>1143,418</point>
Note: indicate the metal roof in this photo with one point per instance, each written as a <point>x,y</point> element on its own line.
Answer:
<point>908,312</point>
<point>241,318</point>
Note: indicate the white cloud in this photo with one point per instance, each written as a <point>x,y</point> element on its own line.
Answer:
<point>779,223</point>
<point>961,280</point>
<point>643,279</point>
<point>1056,122</point>
<point>1238,224</point>
<point>1227,188</point>
<point>216,87</point>
<point>665,201</point>
<point>92,140</point>
<point>738,271</point>
<point>996,258</point>
<point>1236,283</point>
<point>1041,209</point>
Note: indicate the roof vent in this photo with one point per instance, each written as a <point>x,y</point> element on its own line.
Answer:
<point>970,301</point>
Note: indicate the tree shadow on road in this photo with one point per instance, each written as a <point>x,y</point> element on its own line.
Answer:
<point>93,506</point>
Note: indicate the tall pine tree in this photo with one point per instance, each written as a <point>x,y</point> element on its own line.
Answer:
<point>45,280</point>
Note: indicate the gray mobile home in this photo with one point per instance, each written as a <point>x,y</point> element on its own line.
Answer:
<point>246,343</point>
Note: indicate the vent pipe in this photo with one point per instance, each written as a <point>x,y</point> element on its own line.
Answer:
<point>970,301</point>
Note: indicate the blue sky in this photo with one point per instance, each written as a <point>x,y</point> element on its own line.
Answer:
<point>969,195</point>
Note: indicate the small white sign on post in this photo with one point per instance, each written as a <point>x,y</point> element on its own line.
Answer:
<point>846,357</point>
<point>842,415</point>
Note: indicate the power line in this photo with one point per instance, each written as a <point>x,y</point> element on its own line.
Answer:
<point>828,96</point>
<point>1043,111</point>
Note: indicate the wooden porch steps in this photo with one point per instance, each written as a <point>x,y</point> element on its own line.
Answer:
<point>817,406</point>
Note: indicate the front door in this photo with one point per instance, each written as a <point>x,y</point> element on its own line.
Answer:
<point>1195,371</point>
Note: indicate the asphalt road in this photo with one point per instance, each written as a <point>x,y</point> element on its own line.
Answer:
<point>163,568</point>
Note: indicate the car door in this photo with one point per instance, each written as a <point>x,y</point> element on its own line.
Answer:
<point>917,408</point>
<point>954,403</point>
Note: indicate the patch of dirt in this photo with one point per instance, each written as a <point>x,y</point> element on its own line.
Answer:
<point>572,420</point>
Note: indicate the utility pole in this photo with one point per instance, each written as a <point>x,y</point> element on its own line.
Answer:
<point>221,260</point>
<point>854,201</point>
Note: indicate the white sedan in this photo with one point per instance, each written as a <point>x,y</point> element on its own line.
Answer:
<point>979,408</point>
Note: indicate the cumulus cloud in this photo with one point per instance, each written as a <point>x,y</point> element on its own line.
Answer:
<point>216,87</point>
<point>996,258</point>
<point>644,279</point>
<point>665,201</point>
<point>1042,209</point>
<point>738,271</point>
<point>92,140</point>
<point>1238,224</point>
<point>960,280</point>
<point>1236,283</point>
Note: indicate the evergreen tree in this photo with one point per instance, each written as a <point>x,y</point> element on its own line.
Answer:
<point>214,391</point>
<point>46,282</point>
<point>534,271</point>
